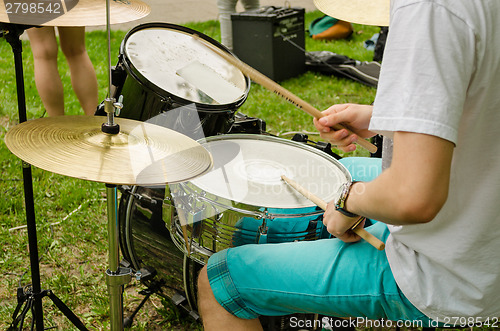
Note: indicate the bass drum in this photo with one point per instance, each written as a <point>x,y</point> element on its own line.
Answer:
<point>147,247</point>
<point>168,75</point>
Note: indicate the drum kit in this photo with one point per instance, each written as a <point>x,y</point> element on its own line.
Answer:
<point>194,181</point>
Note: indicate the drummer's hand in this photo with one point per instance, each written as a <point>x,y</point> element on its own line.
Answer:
<point>355,117</point>
<point>340,225</point>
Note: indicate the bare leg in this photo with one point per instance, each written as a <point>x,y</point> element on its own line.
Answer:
<point>83,77</point>
<point>226,8</point>
<point>48,82</point>
<point>250,4</point>
<point>214,316</point>
<point>341,30</point>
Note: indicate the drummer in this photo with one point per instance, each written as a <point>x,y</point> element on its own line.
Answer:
<point>47,79</point>
<point>436,203</point>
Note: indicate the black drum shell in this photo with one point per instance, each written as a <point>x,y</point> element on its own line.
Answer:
<point>146,245</point>
<point>144,100</point>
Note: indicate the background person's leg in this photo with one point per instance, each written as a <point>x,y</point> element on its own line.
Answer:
<point>83,77</point>
<point>226,8</point>
<point>48,82</point>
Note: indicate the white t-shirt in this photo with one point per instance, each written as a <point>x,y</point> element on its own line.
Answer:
<point>441,76</point>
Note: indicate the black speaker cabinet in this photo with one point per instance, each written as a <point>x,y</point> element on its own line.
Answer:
<point>271,40</point>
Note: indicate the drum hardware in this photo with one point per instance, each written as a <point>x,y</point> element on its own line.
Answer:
<point>246,124</point>
<point>166,104</point>
<point>262,233</point>
<point>26,296</point>
<point>118,74</point>
<point>154,287</point>
<point>151,202</point>
<point>321,145</point>
<point>142,274</point>
<point>177,299</point>
<point>192,213</point>
<point>129,320</point>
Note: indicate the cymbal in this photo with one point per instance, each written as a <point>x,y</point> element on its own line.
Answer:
<point>70,12</point>
<point>141,154</point>
<point>369,12</point>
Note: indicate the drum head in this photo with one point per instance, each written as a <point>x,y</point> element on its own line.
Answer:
<point>159,52</point>
<point>248,169</point>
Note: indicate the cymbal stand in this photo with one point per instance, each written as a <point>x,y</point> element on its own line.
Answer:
<point>116,276</point>
<point>33,297</point>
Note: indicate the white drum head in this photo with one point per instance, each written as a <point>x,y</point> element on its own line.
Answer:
<point>248,169</point>
<point>159,54</point>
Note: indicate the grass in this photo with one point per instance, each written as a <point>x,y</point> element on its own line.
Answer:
<point>74,250</point>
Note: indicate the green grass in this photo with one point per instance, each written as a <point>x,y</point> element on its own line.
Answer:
<point>74,252</point>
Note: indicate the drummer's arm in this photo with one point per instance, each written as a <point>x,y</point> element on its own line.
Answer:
<point>411,191</point>
<point>414,188</point>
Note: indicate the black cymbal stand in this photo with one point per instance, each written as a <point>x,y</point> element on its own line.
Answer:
<point>33,297</point>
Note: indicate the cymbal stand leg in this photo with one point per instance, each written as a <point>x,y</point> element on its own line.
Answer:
<point>12,36</point>
<point>116,276</point>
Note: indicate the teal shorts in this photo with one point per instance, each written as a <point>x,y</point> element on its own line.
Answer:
<point>325,276</point>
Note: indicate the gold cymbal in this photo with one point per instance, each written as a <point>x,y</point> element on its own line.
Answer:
<point>70,12</point>
<point>141,154</point>
<point>369,12</point>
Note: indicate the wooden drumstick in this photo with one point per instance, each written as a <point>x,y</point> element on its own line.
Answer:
<point>183,220</point>
<point>374,241</point>
<point>282,92</point>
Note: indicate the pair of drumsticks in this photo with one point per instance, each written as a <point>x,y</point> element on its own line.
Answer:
<point>308,108</point>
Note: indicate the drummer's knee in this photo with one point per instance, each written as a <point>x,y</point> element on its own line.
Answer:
<point>203,282</point>
<point>207,304</point>
<point>204,290</point>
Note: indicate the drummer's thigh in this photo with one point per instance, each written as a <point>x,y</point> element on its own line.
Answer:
<point>362,168</point>
<point>324,276</point>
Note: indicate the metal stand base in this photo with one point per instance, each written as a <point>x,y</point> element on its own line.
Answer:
<point>26,297</point>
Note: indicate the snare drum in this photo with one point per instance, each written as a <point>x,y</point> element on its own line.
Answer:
<point>243,199</point>
<point>147,76</point>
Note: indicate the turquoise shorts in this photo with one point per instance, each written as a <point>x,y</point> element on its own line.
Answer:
<point>325,276</point>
